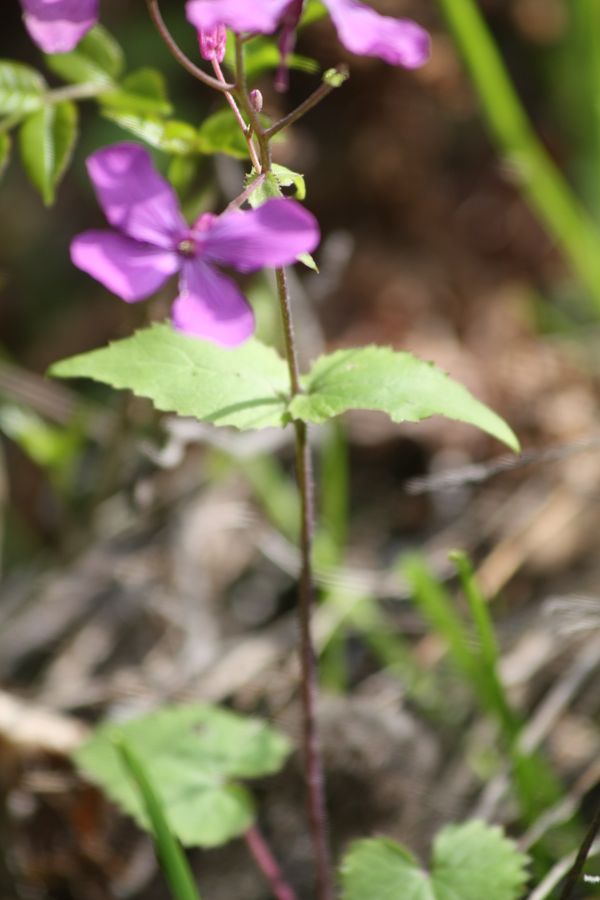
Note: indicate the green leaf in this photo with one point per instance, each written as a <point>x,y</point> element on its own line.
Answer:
<point>245,387</point>
<point>406,388</point>
<point>313,11</point>
<point>5,147</point>
<point>181,173</point>
<point>143,91</point>
<point>47,139</point>
<point>262,55</point>
<point>47,445</point>
<point>265,190</point>
<point>470,862</point>
<point>287,178</point>
<point>271,186</point>
<point>172,136</point>
<point>193,756</point>
<point>173,861</point>
<point>22,89</point>
<point>220,133</point>
<point>97,59</point>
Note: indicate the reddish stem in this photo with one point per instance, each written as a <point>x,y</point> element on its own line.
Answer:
<point>268,865</point>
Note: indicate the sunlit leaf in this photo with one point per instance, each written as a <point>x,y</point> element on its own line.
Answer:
<point>245,387</point>
<point>143,91</point>
<point>170,135</point>
<point>406,388</point>
<point>221,133</point>
<point>47,138</point>
<point>97,59</point>
<point>21,88</point>
<point>194,756</point>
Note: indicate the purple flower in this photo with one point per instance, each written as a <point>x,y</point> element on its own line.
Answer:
<point>213,42</point>
<point>57,26</point>
<point>363,31</point>
<point>152,241</point>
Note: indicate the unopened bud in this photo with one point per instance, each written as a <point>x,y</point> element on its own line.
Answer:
<point>213,42</point>
<point>256,99</point>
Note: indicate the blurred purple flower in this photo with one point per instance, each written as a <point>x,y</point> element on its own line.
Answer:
<point>361,30</point>
<point>57,26</point>
<point>213,42</point>
<point>152,241</point>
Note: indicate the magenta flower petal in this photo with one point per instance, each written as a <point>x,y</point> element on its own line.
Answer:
<point>275,234</point>
<point>261,16</point>
<point>135,198</point>
<point>126,267</point>
<point>57,26</point>
<point>211,306</point>
<point>363,31</point>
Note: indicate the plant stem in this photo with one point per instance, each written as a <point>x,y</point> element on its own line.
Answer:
<point>245,129</point>
<point>268,865</point>
<point>324,89</point>
<point>315,783</point>
<point>253,117</point>
<point>177,52</point>
<point>577,870</point>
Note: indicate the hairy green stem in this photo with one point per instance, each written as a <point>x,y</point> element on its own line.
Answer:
<point>530,164</point>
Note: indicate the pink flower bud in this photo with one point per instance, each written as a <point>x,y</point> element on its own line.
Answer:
<point>212,42</point>
<point>256,99</point>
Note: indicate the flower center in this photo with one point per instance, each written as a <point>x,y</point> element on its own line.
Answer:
<point>187,247</point>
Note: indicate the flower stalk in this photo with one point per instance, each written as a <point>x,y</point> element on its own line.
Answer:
<point>245,111</point>
<point>268,865</point>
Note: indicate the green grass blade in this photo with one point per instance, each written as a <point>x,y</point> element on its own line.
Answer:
<point>436,606</point>
<point>172,858</point>
<point>488,648</point>
<point>544,186</point>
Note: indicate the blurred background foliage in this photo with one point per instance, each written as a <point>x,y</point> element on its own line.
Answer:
<point>134,553</point>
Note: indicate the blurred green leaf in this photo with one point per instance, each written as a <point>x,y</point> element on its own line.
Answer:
<point>470,862</point>
<point>245,386</point>
<point>22,89</point>
<point>181,173</point>
<point>97,59</point>
<point>193,755</point>
<point>313,11</point>
<point>143,91</point>
<point>5,148</point>
<point>47,138</point>
<point>171,135</point>
<point>406,388</point>
<point>47,445</point>
<point>220,133</point>
<point>262,55</point>
<point>173,861</point>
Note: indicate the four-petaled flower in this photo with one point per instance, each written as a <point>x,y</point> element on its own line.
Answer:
<point>152,241</point>
<point>361,30</point>
<point>57,26</point>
